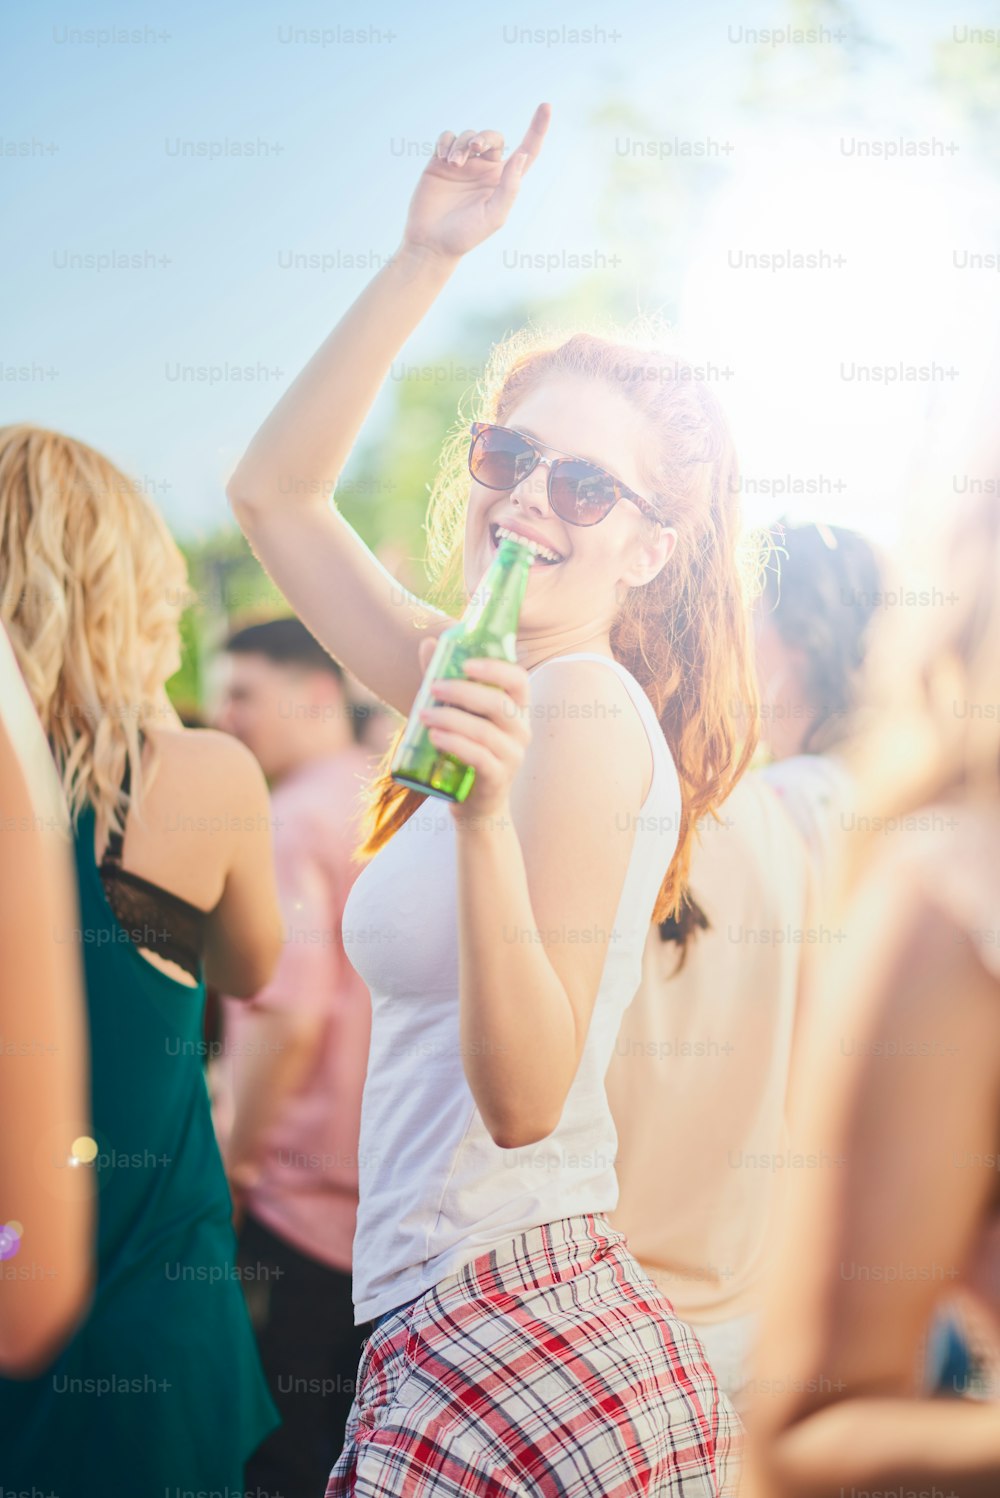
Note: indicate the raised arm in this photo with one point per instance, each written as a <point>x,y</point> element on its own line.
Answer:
<point>282,491</point>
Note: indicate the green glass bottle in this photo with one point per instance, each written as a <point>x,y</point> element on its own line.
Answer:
<point>488,627</point>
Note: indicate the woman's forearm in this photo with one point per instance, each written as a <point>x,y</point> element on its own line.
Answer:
<point>518,1034</point>
<point>303,445</point>
<point>890,1445</point>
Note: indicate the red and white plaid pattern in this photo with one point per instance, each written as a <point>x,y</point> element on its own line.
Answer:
<point>549,1366</point>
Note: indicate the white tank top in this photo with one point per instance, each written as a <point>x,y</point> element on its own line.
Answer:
<point>435,1190</point>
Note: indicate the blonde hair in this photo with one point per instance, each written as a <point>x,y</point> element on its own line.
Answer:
<point>685,636</point>
<point>92,586</point>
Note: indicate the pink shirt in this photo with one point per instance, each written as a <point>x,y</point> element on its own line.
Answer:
<point>307,1192</point>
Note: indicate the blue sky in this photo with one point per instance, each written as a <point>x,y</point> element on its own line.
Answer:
<point>97,134</point>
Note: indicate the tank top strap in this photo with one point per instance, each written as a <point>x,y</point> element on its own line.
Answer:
<point>664,778</point>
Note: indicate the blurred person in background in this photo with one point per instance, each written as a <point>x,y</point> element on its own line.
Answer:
<point>48,1237</point>
<point>898,1097</point>
<point>700,1072</point>
<point>289,1080</point>
<point>375,724</point>
<point>812,628</point>
<point>161,1386</point>
<point>809,672</point>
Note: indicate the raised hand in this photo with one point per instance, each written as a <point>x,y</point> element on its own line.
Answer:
<point>467,190</point>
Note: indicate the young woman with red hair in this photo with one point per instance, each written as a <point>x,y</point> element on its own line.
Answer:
<point>517,1345</point>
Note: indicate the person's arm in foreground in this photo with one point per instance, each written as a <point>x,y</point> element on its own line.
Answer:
<point>883,1218</point>
<point>44,1105</point>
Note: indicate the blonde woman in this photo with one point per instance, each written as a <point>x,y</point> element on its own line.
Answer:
<point>517,1346</point>
<point>161,1386</point>
<point>899,1095</point>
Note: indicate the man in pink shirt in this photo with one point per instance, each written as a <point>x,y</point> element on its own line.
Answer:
<point>289,1079</point>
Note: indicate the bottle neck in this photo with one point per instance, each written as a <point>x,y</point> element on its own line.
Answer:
<point>496,602</point>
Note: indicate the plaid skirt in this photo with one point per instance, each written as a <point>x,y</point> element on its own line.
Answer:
<point>551,1365</point>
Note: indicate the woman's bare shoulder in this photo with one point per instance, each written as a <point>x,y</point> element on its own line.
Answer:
<point>208,764</point>
<point>584,704</point>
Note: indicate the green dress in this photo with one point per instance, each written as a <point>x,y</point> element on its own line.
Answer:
<point>161,1387</point>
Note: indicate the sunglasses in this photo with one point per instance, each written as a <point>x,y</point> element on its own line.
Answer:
<point>579,492</point>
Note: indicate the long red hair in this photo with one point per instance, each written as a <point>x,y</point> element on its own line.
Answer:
<point>685,637</point>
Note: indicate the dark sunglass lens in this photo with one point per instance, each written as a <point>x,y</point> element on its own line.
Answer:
<point>500,460</point>
<point>581,494</point>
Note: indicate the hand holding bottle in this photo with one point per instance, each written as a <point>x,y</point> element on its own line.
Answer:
<point>481,726</point>
<point>467,190</point>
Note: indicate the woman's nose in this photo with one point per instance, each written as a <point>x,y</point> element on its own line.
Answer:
<point>532,493</point>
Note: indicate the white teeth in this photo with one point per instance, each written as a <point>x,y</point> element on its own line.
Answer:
<point>542,551</point>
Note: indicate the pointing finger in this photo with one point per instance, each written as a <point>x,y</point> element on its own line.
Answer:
<point>535,134</point>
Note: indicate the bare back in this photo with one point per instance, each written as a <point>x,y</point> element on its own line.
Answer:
<point>202,832</point>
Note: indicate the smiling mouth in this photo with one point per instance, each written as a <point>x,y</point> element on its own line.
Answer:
<point>541,556</point>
